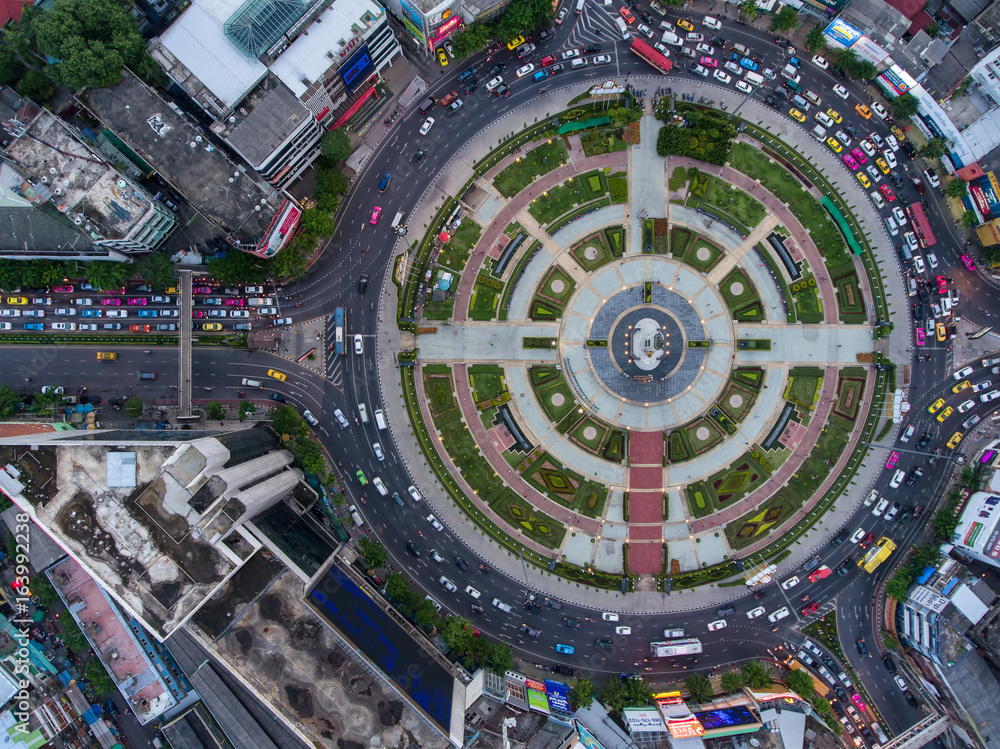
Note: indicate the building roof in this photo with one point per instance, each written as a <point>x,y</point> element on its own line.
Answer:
<point>977,690</point>
<point>10,10</point>
<point>198,41</point>
<point>44,551</point>
<point>977,529</point>
<point>273,114</point>
<point>240,727</point>
<point>311,55</point>
<point>259,24</point>
<point>225,195</point>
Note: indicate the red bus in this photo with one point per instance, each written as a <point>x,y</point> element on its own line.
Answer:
<point>921,226</point>
<point>648,53</point>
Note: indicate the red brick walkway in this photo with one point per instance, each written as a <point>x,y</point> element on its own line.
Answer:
<point>645,503</point>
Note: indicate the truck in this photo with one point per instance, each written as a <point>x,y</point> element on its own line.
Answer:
<point>877,554</point>
<point>672,648</point>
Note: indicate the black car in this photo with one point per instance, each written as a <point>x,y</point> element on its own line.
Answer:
<point>845,567</point>
<point>718,41</point>
<point>564,670</point>
<point>532,607</point>
<point>841,537</point>
<point>462,564</point>
<point>851,130</point>
<point>591,48</point>
<point>471,86</point>
<point>363,283</point>
<point>924,441</point>
<point>220,243</point>
<point>557,68</point>
<point>860,645</point>
<point>781,42</point>
<point>772,102</point>
<point>604,644</point>
<point>502,90</point>
<point>910,699</point>
<point>918,311</point>
<point>897,180</point>
<point>279,397</point>
<point>553,603</point>
<point>866,732</point>
<point>416,157</point>
<point>915,475</point>
<point>496,70</point>
<point>840,692</point>
<point>889,664</point>
<point>547,34</point>
<point>412,548</point>
<point>571,622</point>
<point>727,611</point>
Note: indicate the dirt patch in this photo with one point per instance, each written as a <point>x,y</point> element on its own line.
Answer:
<point>244,638</point>
<point>300,700</point>
<point>335,660</point>
<point>270,608</point>
<point>390,713</point>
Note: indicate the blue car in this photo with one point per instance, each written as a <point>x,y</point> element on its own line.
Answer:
<point>384,184</point>
<point>541,74</point>
<point>147,313</point>
<point>748,63</point>
<point>34,326</point>
<point>90,313</point>
<point>567,649</point>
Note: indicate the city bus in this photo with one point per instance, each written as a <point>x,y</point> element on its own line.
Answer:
<point>338,323</point>
<point>877,554</point>
<point>648,53</point>
<point>921,226</point>
<point>689,646</point>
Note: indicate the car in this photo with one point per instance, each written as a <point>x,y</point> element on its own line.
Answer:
<point>110,301</point>
<point>68,326</point>
<point>893,459</point>
<point>716,625</point>
<point>426,127</point>
<point>754,613</point>
<point>819,574</point>
<point>856,698</point>
<point>208,326</point>
<point>359,344</point>
<point>857,536</point>
<point>661,48</point>
<point>280,376</point>
<point>376,212</point>
<point>569,54</point>
<point>142,312</point>
<point>462,564</point>
<point>384,184</point>
<point>744,87</point>
<point>435,523</point>
<point>863,179</point>
<point>706,49</point>
<point>990,396</point>
<point>458,103</point>
<point>449,585</point>
<point>723,77</point>
<point>137,301</point>
<point>514,43</point>
<point>530,631</point>
<point>623,630</point>
<point>230,302</point>
<point>860,645</point>
<point>932,178</point>
<point>962,374</point>
<point>879,110</point>
<point>412,548</point>
<point>790,583</point>
<point>966,406</point>
<point>601,59</point>
<point>547,60</point>
<point>65,311</point>
<point>10,313</point>
<point>604,644</point>
<point>944,415</point>
<point>935,406</point>
<point>850,161</point>
<point>844,138</point>
<point>859,155</point>
<point>525,70</point>
<point>778,615</point>
<point>796,115</point>
<point>968,262</point>
<point>918,262</point>
<point>811,609</point>
<point>915,475</point>
<point>698,70</point>
<point>964,384</point>
<point>709,62</point>
<point>834,144</point>
<point>748,63</point>
<point>834,115</point>
<point>442,57</point>
<point>562,16</point>
<point>897,479</point>
<point>279,397</point>
<point>685,24</point>
<point>215,313</point>
<point>416,157</point>
<point>921,336</point>
<point>567,649</point>
<point>609,616</point>
<point>867,147</point>
<point>870,499</point>
<point>888,193</point>
<point>894,510</point>
<point>863,110</point>
<point>732,67</point>
<point>841,92</point>
<point>571,622</point>
<point>414,493</point>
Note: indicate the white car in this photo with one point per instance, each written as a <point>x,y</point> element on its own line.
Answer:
<point>899,682</point>
<point>435,522</point>
<point>724,77</point>
<point>732,67</point>
<point>981,386</point>
<point>790,583</point>
<point>116,313</point>
<point>623,630</point>
<point>844,138</point>
<point>875,174</point>
<point>569,54</point>
<point>892,511</point>
<point>8,326</point>
<point>870,499</point>
<point>918,262</point>
<point>645,30</point>
<point>426,127</point>
<point>932,178</point>
<point>716,625</point>
<point>867,147</point>
<point>494,83</point>
<point>472,592</point>
<point>905,437</point>
<point>745,87</point>
<point>962,373</point>
<point>820,62</point>
<point>662,49</point>
<point>414,493</point>
<point>65,311</point>
<point>359,344</point>
<point>900,215</point>
<point>378,484</point>
<point>890,158</point>
<point>897,479</point>
<point>525,70</point>
<point>778,615</point>
<point>706,49</point>
<point>10,312</point>
<point>64,326</point>
<point>879,110</point>
<point>377,449</point>
<point>880,508</point>
<point>967,406</point>
<point>341,419</point>
<point>841,91</point>
<point>984,398</point>
<point>754,613</point>
<point>609,616</point>
<point>601,59</point>
<point>857,536</point>
<point>932,260</point>
<point>447,584</point>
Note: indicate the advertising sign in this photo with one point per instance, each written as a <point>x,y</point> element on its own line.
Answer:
<point>989,234</point>
<point>558,697</point>
<point>726,718</point>
<point>357,68</point>
<point>992,546</point>
<point>976,191</point>
<point>895,81</point>
<point>643,720</point>
<point>991,194</point>
<point>685,728</point>
<point>537,700</point>
<point>587,738</point>
<point>866,49</point>
<point>841,34</point>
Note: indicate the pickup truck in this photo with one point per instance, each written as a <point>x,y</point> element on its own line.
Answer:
<point>448,98</point>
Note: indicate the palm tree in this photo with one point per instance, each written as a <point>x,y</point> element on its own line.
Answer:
<point>801,683</point>
<point>968,220</point>
<point>749,9</point>
<point>846,62</point>
<point>581,694</point>
<point>865,71</point>
<point>955,188</point>
<point>756,674</point>
<point>699,687</point>
<point>815,39</point>
<point>732,681</point>
<point>613,696</point>
<point>786,19</point>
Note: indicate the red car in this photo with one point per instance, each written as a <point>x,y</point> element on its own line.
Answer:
<point>137,301</point>
<point>199,313</point>
<point>139,328</point>
<point>626,14</point>
<point>234,302</point>
<point>110,301</point>
<point>812,608</point>
<point>867,541</point>
<point>968,262</point>
<point>549,60</point>
<point>820,573</point>
<point>893,460</point>
<point>201,290</point>
<point>65,289</point>
<point>884,189</point>
<point>942,284</point>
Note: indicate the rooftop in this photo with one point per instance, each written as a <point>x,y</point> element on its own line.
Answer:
<point>225,195</point>
<point>977,528</point>
<point>77,181</point>
<point>267,117</point>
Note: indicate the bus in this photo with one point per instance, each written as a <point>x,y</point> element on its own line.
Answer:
<point>648,53</point>
<point>821,689</point>
<point>339,333</point>
<point>877,554</point>
<point>689,646</point>
<point>921,226</point>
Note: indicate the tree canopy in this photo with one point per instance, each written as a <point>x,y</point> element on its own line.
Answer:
<point>955,188</point>
<point>935,148</point>
<point>801,683</point>
<point>904,106</point>
<point>786,19</point>
<point>700,687</point>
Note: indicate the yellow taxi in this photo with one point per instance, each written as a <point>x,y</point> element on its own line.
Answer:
<point>942,335</point>
<point>834,115</point>
<point>864,111</point>
<point>945,414</point>
<point>514,43</point>
<point>962,385</point>
<point>172,290</point>
<point>882,165</point>
<point>442,57</point>
<point>277,375</point>
<point>17,300</point>
<point>796,115</point>
<point>955,439</point>
<point>211,326</point>
<point>900,135</point>
<point>863,179</point>
<point>834,144</point>
<point>686,25</point>
<point>935,406</point>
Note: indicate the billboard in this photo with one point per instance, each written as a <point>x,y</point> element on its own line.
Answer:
<point>643,720</point>
<point>866,49</point>
<point>986,193</point>
<point>989,234</point>
<point>841,34</point>
<point>558,696</point>
<point>357,68</point>
<point>687,727</point>
<point>587,739</point>
<point>536,696</point>
<point>897,80</point>
<point>727,719</point>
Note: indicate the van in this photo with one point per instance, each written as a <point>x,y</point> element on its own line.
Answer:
<point>380,419</point>
<point>754,79</point>
<point>262,301</point>
<point>711,23</point>
<point>813,98</point>
<point>399,217</point>
<point>904,252</point>
<point>824,118</point>
<point>107,356</point>
<point>671,634</point>
<point>622,27</point>
<point>793,84</point>
<point>427,104</point>
<point>251,383</point>
<point>669,37</point>
<point>505,607</point>
<point>579,7</point>
<point>819,133</point>
<point>741,50</point>
<point>890,224</point>
<point>355,516</point>
<point>800,103</point>
<point>363,410</point>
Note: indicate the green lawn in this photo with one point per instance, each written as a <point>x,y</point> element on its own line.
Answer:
<point>538,161</point>
<point>552,391</point>
<point>741,296</point>
<point>592,252</point>
<point>562,198</point>
<point>552,294</point>
<point>564,486</point>
<point>487,381</point>
<point>729,199</point>
<point>483,304</point>
<point>601,141</point>
<point>803,390</point>
<point>455,254</point>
